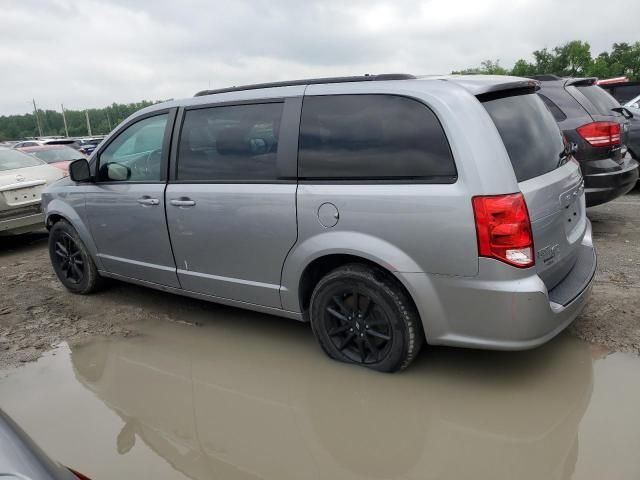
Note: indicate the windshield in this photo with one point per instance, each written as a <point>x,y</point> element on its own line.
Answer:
<point>530,134</point>
<point>53,155</point>
<point>12,159</point>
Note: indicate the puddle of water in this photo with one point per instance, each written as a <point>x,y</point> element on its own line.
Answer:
<point>257,399</point>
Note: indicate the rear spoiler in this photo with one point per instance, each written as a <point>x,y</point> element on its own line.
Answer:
<point>508,89</point>
<point>581,82</point>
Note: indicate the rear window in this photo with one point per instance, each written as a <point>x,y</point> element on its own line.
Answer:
<point>601,100</point>
<point>12,159</point>
<point>53,155</point>
<point>372,137</point>
<point>529,132</point>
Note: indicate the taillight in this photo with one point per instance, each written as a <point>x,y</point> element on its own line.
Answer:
<point>601,134</point>
<point>504,229</point>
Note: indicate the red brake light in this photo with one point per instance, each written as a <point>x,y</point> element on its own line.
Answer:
<point>504,229</point>
<point>601,134</point>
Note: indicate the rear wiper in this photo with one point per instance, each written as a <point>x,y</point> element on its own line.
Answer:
<point>624,111</point>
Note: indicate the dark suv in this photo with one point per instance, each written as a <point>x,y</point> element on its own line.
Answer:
<point>596,123</point>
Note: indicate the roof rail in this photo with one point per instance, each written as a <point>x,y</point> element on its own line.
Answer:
<point>311,81</point>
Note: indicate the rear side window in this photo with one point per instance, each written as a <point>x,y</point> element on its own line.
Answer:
<point>372,137</point>
<point>553,108</point>
<point>231,143</point>
<point>530,134</point>
<point>601,100</point>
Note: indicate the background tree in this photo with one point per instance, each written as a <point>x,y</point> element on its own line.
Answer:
<point>103,120</point>
<point>573,59</point>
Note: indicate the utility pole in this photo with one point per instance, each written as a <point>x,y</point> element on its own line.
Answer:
<point>35,112</point>
<point>86,114</point>
<point>64,119</point>
<point>108,119</point>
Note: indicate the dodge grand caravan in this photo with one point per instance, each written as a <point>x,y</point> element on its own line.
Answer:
<point>386,210</point>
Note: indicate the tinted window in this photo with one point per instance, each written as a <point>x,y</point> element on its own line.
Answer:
<point>372,137</point>
<point>553,108</point>
<point>601,100</point>
<point>12,159</point>
<point>238,142</point>
<point>530,134</point>
<point>136,154</point>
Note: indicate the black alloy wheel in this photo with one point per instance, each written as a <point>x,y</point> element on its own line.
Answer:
<point>358,327</point>
<point>69,258</point>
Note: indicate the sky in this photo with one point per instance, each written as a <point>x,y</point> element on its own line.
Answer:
<point>88,53</point>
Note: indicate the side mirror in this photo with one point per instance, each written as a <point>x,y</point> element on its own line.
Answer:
<point>79,171</point>
<point>118,172</point>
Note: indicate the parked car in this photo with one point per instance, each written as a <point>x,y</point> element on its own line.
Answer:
<point>44,141</point>
<point>385,210</point>
<point>634,127</point>
<point>22,180</point>
<point>22,459</point>
<point>594,121</point>
<point>59,156</point>
<point>88,145</point>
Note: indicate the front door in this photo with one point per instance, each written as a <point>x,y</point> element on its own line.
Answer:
<point>125,206</point>
<point>231,208</point>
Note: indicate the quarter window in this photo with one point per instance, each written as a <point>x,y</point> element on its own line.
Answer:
<point>553,108</point>
<point>230,143</point>
<point>346,137</point>
<point>136,154</point>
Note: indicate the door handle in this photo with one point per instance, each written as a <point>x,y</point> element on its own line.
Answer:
<point>148,201</point>
<point>182,202</point>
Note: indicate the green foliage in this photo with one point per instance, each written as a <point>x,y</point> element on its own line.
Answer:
<point>103,120</point>
<point>488,67</point>
<point>573,59</point>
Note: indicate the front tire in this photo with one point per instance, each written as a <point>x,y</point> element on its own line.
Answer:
<point>361,315</point>
<point>71,260</point>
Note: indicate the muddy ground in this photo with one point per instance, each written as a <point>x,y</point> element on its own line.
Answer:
<point>36,312</point>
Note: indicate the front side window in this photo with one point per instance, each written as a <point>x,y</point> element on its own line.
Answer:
<point>136,154</point>
<point>230,143</point>
<point>346,137</point>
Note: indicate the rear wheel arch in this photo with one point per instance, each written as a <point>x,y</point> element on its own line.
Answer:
<point>321,266</point>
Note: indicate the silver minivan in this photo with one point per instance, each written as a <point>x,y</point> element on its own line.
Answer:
<point>386,210</point>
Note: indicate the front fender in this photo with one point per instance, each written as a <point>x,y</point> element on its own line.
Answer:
<point>58,207</point>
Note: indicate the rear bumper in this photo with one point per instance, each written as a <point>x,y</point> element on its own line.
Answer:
<point>19,225</point>
<point>504,308</point>
<point>604,187</point>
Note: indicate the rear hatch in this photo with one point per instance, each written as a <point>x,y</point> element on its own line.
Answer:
<point>600,106</point>
<point>548,177</point>
<point>23,178</point>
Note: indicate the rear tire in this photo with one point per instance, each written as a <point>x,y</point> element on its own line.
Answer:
<point>362,315</point>
<point>71,260</point>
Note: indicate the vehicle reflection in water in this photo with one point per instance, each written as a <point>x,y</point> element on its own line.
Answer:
<point>260,401</point>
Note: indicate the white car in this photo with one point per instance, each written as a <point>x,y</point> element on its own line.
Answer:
<point>22,180</point>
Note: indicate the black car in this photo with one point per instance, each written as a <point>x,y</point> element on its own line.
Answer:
<point>599,127</point>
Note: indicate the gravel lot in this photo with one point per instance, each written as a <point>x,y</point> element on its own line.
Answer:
<point>36,312</point>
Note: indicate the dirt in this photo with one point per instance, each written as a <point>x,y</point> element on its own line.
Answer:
<point>36,312</point>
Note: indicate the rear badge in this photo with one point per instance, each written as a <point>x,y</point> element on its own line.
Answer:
<point>548,253</point>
